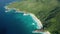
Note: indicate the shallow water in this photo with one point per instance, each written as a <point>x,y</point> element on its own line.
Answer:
<point>15,23</point>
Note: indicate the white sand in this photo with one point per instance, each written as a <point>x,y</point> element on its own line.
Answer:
<point>39,24</point>
<point>47,32</point>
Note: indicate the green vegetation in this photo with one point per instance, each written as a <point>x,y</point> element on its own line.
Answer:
<point>47,11</point>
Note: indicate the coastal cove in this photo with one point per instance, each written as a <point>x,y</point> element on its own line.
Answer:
<point>28,16</point>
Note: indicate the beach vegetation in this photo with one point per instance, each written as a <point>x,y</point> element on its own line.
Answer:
<point>48,11</point>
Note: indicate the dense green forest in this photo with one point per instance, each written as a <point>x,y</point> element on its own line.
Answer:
<point>48,11</point>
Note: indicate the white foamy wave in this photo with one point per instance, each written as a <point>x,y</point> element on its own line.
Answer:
<point>39,24</point>
<point>6,11</point>
<point>25,14</point>
<point>33,23</point>
<point>6,7</point>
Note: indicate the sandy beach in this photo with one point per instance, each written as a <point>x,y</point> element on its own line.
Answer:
<point>39,24</point>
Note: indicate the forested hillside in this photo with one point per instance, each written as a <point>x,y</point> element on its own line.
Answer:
<point>48,11</point>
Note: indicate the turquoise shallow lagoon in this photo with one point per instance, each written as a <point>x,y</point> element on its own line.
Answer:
<point>14,23</point>
<point>18,23</point>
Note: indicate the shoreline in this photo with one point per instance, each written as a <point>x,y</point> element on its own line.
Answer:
<point>33,16</point>
<point>39,24</point>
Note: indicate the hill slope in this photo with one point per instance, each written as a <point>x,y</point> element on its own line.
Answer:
<point>47,11</point>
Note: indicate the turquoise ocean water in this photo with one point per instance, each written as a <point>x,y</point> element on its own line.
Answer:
<point>18,23</point>
<point>14,23</point>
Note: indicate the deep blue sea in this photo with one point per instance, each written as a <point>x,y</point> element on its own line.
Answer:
<point>14,23</point>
